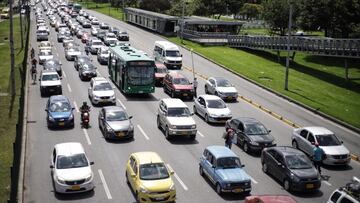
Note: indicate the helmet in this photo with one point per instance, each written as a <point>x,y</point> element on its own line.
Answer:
<point>230,130</point>
<point>84,103</point>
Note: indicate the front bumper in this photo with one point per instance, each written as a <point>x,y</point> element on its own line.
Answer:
<point>330,160</point>
<point>88,76</point>
<point>104,100</point>
<point>64,188</point>
<point>238,188</point>
<point>120,134</point>
<point>185,132</point>
<point>51,89</point>
<point>184,94</point>
<point>228,97</point>
<point>173,65</point>
<point>219,119</point>
<point>305,186</point>
<point>158,197</point>
<point>123,38</point>
<point>60,122</point>
<point>260,146</point>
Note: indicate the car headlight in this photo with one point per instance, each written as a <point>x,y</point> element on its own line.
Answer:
<point>193,126</point>
<point>109,129</point>
<point>60,180</point>
<point>220,93</point>
<point>96,97</point>
<point>112,97</point>
<point>213,115</point>
<point>88,178</point>
<point>177,90</point>
<point>228,184</point>
<point>172,187</point>
<point>294,177</point>
<point>51,118</point>
<point>144,190</point>
<point>254,143</point>
<point>173,126</point>
<point>71,116</point>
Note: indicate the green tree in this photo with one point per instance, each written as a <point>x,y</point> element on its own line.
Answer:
<point>217,8</point>
<point>251,10</point>
<point>159,6</point>
<point>177,6</point>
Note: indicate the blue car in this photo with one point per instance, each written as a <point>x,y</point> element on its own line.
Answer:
<point>59,112</point>
<point>224,169</point>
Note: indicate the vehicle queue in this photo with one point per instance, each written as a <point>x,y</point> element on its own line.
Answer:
<point>145,171</point>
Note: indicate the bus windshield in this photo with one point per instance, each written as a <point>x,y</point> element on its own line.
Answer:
<point>141,75</point>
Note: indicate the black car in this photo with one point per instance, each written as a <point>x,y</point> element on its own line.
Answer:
<point>53,64</point>
<point>87,71</point>
<point>101,34</point>
<point>86,24</point>
<point>251,134</point>
<point>123,36</point>
<point>291,167</point>
<point>114,30</point>
<point>104,26</point>
<point>80,60</point>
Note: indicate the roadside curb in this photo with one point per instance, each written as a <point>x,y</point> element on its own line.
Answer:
<point>335,120</point>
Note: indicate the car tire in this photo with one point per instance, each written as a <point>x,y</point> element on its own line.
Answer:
<point>287,185</point>
<point>201,170</point>
<point>265,168</point>
<point>158,122</point>
<point>127,179</point>
<point>172,94</point>
<point>218,189</point>
<point>137,197</point>
<point>60,92</point>
<point>192,137</point>
<point>206,90</point>
<point>295,144</point>
<point>206,118</point>
<point>194,109</point>
<point>167,135</point>
<point>246,147</point>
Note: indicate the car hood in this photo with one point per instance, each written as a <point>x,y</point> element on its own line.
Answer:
<point>96,46</point>
<point>305,173</point>
<point>261,138</point>
<point>183,87</point>
<point>50,83</point>
<point>181,120</point>
<point>73,53</point>
<point>335,150</point>
<point>157,185</point>
<point>104,55</point>
<point>219,112</point>
<point>226,89</point>
<point>173,58</point>
<point>72,174</point>
<point>46,57</point>
<point>119,125</point>
<point>160,75</point>
<point>233,174</point>
<point>104,93</point>
<point>60,114</point>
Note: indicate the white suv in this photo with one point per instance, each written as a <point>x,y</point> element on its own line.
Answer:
<point>174,117</point>
<point>50,82</point>
<point>101,91</point>
<point>348,194</point>
<point>70,168</point>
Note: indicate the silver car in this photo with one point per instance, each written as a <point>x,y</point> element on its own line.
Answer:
<point>221,87</point>
<point>114,123</point>
<point>306,137</point>
<point>103,55</point>
<point>212,108</point>
<point>44,55</point>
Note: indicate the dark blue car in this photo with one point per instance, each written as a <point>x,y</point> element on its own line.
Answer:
<point>59,112</point>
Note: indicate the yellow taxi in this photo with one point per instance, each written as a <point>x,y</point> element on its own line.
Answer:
<point>150,178</point>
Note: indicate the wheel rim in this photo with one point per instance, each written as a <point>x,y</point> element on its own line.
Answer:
<point>265,168</point>
<point>158,122</point>
<point>286,185</point>
<point>295,144</point>
<point>172,94</point>
<point>167,134</point>
<point>246,148</point>
<point>201,171</point>
<point>195,111</point>
<point>218,188</point>
<point>206,118</point>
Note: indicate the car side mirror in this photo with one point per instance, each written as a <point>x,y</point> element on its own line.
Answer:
<point>51,166</point>
<point>242,165</point>
<point>60,78</point>
<point>312,143</point>
<point>269,131</point>
<point>92,163</point>
<point>39,79</point>
<point>130,117</point>
<point>181,55</point>
<point>342,142</point>
<point>46,110</point>
<point>73,108</point>
<point>172,172</point>
<point>133,175</point>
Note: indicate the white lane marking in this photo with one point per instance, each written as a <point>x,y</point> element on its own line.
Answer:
<point>64,74</point>
<point>57,54</point>
<point>253,180</point>
<point>327,183</point>
<point>87,137</point>
<point>106,188</point>
<point>142,131</point>
<point>177,178</point>
<point>201,135</point>
<point>124,107</point>
<point>76,107</point>
<point>69,87</point>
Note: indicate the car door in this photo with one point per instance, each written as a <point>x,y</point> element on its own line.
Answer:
<point>53,160</point>
<point>309,145</point>
<point>282,168</point>
<point>202,107</point>
<point>240,133</point>
<point>132,169</point>
<point>277,166</point>
<point>302,139</point>
<point>208,167</point>
<point>162,114</point>
<point>102,119</point>
<point>212,86</point>
<point>90,88</point>
<point>270,161</point>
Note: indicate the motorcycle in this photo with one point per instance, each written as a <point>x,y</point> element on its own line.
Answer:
<point>85,119</point>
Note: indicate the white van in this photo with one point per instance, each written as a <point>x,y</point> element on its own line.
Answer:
<point>168,53</point>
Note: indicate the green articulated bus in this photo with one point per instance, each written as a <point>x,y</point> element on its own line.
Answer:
<point>131,70</point>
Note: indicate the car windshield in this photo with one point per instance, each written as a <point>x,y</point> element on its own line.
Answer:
<point>103,87</point>
<point>255,129</point>
<point>60,106</point>
<point>298,161</point>
<point>73,161</point>
<point>153,171</point>
<point>45,53</point>
<point>223,83</point>
<point>173,53</point>
<point>181,81</point>
<point>89,66</point>
<point>228,162</point>
<point>96,43</point>
<point>50,77</point>
<point>327,140</point>
<point>105,52</point>
<point>52,63</point>
<point>161,70</point>
<point>116,116</point>
<point>216,104</point>
<point>178,112</point>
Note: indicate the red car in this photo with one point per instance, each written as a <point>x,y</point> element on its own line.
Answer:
<point>160,72</point>
<point>270,199</point>
<point>177,85</point>
<point>85,37</point>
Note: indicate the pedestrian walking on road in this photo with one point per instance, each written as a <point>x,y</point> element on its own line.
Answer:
<point>229,136</point>
<point>195,85</point>
<point>318,157</point>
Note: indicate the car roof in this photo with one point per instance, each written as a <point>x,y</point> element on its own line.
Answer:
<point>247,120</point>
<point>176,74</point>
<point>113,108</point>
<point>55,98</point>
<point>218,78</point>
<point>316,130</point>
<point>147,157</point>
<point>210,97</point>
<point>69,148</point>
<point>287,150</point>
<point>220,151</point>
<point>48,72</point>
<point>174,102</point>
<point>167,45</point>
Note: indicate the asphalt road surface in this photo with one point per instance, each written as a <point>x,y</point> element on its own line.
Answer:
<point>181,154</point>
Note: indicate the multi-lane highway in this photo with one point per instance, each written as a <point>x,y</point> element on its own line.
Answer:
<point>181,154</point>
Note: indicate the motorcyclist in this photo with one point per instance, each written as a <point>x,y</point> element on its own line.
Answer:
<point>83,109</point>
<point>32,53</point>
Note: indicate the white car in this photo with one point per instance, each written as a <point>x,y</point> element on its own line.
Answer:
<point>212,108</point>
<point>101,91</point>
<point>94,31</point>
<point>174,117</point>
<point>71,169</point>
<point>44,55</point>
<point>306,137</point>
<point>103,55</point>
<point>45,45</point>
<point>71,53</point>
<point>221,87</point>
<point>50,83</point>
<point>95,21</point>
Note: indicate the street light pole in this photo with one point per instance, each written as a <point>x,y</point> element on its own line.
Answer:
<point>288,47</point>
<point>192,62</point>
<point>182,21</point>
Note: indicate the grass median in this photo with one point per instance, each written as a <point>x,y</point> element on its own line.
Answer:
<point>9,115</point>
<point>316,81</point>
<point>103,8</point>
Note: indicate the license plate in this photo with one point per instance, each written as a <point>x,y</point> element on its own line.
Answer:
<point>120,134</point>
<point>238,190</point>
<point>141,91</point>
<point>309,186</point>
<point>75,187</point>
<point>229,97</point>
<point>159,198</point>
<point>183,132</point>
<point>61,123</point>
<point>185,94</point>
